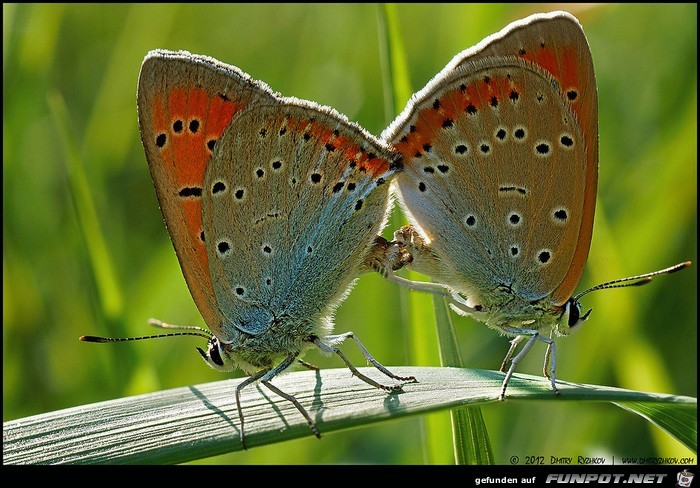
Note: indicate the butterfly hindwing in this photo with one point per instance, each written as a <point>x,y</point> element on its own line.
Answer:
<point>295,196</point>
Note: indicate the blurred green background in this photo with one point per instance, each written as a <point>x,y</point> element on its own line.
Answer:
<point>63,278</point>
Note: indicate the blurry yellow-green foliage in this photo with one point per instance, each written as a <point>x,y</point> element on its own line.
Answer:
<point>64,276</point>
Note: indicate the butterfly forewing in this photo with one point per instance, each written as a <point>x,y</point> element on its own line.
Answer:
<point>294,198</point>
<point>185,102</point>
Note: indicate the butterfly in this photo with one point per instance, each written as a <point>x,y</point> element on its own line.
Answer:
<point>272,205</point>
<point>500,154</point>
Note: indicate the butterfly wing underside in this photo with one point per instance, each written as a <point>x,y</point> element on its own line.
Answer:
<point>294,197</point>
<point>501,156</point>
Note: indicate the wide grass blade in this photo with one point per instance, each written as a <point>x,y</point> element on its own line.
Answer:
<point>196,422</point>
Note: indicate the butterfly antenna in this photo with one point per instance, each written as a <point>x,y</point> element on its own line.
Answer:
<point>638,280</point>
<point>187,330</point>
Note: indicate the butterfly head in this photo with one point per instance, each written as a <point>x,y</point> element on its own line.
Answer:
<point>572,317</point>
<point>217,356</point>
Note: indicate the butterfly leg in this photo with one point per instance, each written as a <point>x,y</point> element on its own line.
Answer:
<point>513,344</point>
<point>526,348</point>
<point>310,366</point>
<point>533,337</point>
<point>265,380</point>
<point>551,354</point>
<point>451,296</point>
<point>330,346</point>
<point>265,376</point>
<point>241,385</point>
<point>387,257</point>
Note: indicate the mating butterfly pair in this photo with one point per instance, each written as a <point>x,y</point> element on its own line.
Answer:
<point>274,204</point>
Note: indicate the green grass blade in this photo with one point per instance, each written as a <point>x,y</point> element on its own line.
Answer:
<point>680,420</point>
<point>470,436</point>
<point>416,309</point>
<point>399,79</point>
<point>105,275</point>
<point>449,350</point>
<point>188,423</point>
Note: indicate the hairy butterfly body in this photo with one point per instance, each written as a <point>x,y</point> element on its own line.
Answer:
<point>272,205</point>
<point>501,166</point>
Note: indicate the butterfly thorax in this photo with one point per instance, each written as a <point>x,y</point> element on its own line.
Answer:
<point>505,308</point>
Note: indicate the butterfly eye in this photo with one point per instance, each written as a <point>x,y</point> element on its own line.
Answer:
<point>216,357</point>
<point>573,311</point>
